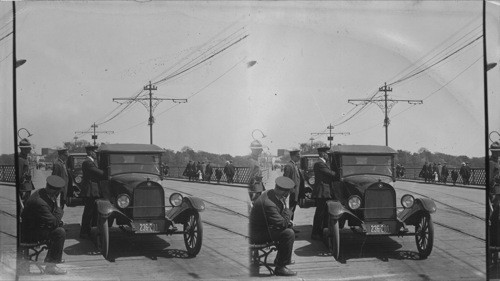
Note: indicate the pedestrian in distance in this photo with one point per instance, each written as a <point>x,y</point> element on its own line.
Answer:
<point>41,220</point>
<point>255,185</point>
<point>270,221</point>
<point>444,173</point>
<point>60,169</point>
<point>90,189</point>
<point>454,176</point>
<point>423,172</point>
<point>218,174</point>
<point>292,171</point>
<point>468,172</point>
<point>24,173</point>
<point>208,172</point>
<point>229,171</point>
<point>463,173</point>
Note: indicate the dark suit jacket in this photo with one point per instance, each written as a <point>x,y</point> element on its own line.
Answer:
<point>90,178</point>
<point>323,177</point>
<point>291,171</point>
<point>39,214</point>
<point>268,213</point>
<point>24,173</point>
<point>59,169</point>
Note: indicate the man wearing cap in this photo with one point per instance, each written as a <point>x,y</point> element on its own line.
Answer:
<point>463,173</point>
<point>90,189</point>
<point>444,173</point>
<point>41,221</point>
<point>292,171</point>
<point>270,220</point>
<point>59,169</point>
<point>323,177</point>
<point>24,172</point>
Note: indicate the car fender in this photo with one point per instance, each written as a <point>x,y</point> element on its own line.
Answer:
<point>421,205</point>
<point>179,213</point>
<point>106,209</point>
<point>337,210</point>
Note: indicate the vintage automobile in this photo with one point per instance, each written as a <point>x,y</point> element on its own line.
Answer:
<point>367,203</point>
<point>74,166</point>
<point>134,198</point>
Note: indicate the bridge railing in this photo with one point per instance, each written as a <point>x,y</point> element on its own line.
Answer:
<point>478,175</point>
<point>7,173</point>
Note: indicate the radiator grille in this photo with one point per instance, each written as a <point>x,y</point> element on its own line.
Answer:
<point>149,202</point>
<point>380,203</point>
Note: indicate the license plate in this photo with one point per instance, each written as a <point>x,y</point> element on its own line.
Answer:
<point>148,227</point>
<point>380,228</point>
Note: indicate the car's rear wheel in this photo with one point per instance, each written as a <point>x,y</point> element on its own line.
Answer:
<point>334,238</point>
<point>103,236</point>
<point>424,235</point>
<point>193,233</point>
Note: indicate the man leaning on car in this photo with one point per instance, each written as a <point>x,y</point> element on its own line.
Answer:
<point>90,189</point>
<point>270,220</point>
<point>322,191</point>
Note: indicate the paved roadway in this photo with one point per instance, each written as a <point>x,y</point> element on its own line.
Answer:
<point>458,254</point>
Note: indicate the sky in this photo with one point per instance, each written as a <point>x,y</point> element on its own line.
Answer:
<point>272,71</point>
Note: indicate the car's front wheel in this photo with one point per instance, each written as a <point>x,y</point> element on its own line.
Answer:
<point>103,236</point>
<point>424,235</point>
<point>193,233</point>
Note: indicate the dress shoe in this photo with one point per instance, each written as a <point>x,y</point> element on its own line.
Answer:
<point>54,270</point>
<point>283,271</point>
<point>49,260</point>
<point>316,237</point>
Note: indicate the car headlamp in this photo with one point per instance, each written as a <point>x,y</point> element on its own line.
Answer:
<point>175,199</point>
<point>78,179</point>
<point>354,202</point>
<point>407,201</point>
<point>311,181</point>
<point>123,201</point>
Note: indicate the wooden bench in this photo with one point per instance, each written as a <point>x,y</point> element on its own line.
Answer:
<point>258,257</point>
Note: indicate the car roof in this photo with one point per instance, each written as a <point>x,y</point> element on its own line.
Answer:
<point>362,149</point>
<point>130,147</point>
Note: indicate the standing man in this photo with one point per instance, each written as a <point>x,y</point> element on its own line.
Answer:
<point>291,171</point>
<point>90,189</point>
<point>270,220</point>
<point>468,172</point>
<point>324,177</point>
<point>208,171</point>
<point>255,185</point>
<point>444,173</point>
<point>463,173</point>
<point>25,182</point>
<point>42,220</point>
<point>59,169</point>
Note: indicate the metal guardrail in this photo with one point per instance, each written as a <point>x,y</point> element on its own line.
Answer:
<point>7,173</point>
<point>478,175</point>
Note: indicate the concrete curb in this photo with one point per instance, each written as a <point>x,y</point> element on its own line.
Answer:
<point>450,185</point>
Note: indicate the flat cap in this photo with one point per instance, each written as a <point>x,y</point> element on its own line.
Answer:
<point>284,183</point>
<point>55,183</point>
<point>24,143</point>
<point>495,146</point>
<point>323,149</point>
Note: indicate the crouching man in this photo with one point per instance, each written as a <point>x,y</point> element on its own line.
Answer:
<point>270,220</point>
<point>41,220</point>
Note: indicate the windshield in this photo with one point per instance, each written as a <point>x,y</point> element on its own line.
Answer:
<point>134,163</point>
<point>77,162</point>
<point>366,164</point>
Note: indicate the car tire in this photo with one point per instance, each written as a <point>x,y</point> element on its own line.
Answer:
<point>193,233</point>
<point>424,235</point>
<point>103,236</point>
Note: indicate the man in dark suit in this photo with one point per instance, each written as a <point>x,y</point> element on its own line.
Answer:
<point>292,171</point>
<point>59,169</point>
<point>322,191</point>
<point>90,189</point>
<point>270,220</point>
<point>208,172</point>
<point>41,220</point>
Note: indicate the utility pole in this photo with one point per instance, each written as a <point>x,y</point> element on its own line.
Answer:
<point>330,137</point>
<point>383,104</point>
<point>94,135</point>
<point>148,103</point>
